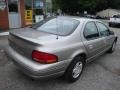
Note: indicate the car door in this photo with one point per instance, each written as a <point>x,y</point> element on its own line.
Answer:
<point>92,41</point>
<point>105,32</point>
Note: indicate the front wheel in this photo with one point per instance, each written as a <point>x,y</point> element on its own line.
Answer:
<point>110,25</point>
<point>112,49</point>
<point>74,70</point>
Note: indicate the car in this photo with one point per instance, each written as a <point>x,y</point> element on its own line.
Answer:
<point>114,21</point>
<point>90,16</point>
<point>99,17</point>
<point>59,46</point>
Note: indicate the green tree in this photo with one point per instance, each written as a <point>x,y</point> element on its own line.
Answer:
<point>92,6</point>
<point>55,5</point>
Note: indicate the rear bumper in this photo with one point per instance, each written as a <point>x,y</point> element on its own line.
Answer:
<point>37,70</point>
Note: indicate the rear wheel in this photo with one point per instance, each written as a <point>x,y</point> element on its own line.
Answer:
<point>74,70</point>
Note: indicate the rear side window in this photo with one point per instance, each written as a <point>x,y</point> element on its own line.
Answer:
<point>90,31</point>
<point>104,31</point>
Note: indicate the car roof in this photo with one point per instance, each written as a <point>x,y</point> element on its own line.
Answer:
<point>81,19</point>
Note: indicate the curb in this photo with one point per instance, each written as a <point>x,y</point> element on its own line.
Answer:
<point>4,34</point>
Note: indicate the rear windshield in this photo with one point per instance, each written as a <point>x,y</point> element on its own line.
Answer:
<point>61,26</point>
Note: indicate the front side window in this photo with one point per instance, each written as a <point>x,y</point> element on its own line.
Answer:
<point>90,31</point>
<point>60,26</point>
<point>104,31</point>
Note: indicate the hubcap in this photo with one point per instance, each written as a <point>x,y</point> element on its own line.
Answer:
<point>77,69</point>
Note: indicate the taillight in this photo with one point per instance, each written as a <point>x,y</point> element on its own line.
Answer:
<point>44,57</point>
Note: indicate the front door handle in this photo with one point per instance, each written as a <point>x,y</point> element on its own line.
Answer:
<point>90,46</point>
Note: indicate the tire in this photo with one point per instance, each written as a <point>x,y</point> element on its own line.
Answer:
<point>74,70</point>
<point>110,25</point>
<point>112,49</point>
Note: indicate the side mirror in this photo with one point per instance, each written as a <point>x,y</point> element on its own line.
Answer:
<point>112,33</point>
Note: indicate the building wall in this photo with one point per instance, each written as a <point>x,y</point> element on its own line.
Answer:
<point>108,13</point>
<point>4,24</point>
<point>4,19</point>
<point>22,12</point>
<point>112,13</point>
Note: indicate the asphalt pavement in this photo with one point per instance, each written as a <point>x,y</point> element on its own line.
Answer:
<point>101,74</point>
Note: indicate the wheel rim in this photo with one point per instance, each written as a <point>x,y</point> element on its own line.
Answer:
<point>113,47</point>
<point>77,69</point>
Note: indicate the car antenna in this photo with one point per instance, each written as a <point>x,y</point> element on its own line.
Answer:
<point>57,28</point>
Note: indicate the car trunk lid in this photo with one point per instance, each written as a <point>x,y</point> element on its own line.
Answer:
<point>25,40</point>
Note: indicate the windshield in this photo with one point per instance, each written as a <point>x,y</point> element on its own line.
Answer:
<point>61,26</point>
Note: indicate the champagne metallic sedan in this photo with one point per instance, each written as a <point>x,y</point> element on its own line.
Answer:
<point>59,46</point>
